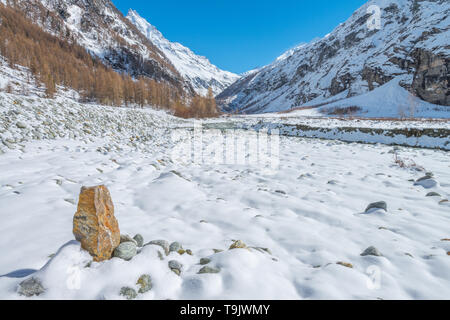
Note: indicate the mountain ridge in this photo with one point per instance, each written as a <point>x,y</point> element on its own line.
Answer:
<point>197,70</point>
<point>352,60</point>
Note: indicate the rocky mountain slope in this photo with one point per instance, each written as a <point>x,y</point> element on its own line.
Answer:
<point>412,43</point>
<point>197,70</point>
<point>102,29</point>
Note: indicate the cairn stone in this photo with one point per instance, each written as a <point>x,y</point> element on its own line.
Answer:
<point>94,224</point>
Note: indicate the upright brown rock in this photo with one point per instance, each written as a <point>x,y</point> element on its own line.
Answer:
<point>94,224</point>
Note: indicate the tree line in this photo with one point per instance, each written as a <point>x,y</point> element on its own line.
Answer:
<point>60,61</point>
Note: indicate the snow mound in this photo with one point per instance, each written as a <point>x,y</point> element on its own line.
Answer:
<point>389,101</point>
<point>71,274</point>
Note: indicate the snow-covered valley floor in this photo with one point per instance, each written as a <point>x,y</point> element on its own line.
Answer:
<point>309,213</point>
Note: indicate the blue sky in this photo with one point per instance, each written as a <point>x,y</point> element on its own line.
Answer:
<point>241,35</point>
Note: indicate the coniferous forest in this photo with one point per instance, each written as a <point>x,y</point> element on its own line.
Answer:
<point>60,61</point>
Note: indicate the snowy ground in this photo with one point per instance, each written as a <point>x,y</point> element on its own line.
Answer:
<point>309,212</point>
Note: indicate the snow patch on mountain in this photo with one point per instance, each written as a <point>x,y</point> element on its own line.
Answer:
<point>196,69</point>
<point>389,100</point>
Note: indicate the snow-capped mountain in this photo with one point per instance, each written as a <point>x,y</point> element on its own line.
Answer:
<point>103,30</point>
<point>411,43</point>
<point>196,69</point>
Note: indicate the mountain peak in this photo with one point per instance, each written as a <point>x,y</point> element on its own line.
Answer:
<point>196,69</point>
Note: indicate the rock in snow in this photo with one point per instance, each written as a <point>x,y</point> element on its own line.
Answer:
<point>162,243</point>
<point>145,283</point>
<point>207,269</point>
<point>21,125</point>
<point>371,251</point>
<point>377,205</point>
<point>175,247</point>
<point>433,194</point>
<point>125,251</point>
<point>204,261</point>
<point>175,266</point>
<point>94,224</point>
<point>345,264</point>
<point>139,240</point>
<point>126,238</point>
<point>128,293</point>
<point>31,287</point>
<point>238,245</point>
<point>426,182</point>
